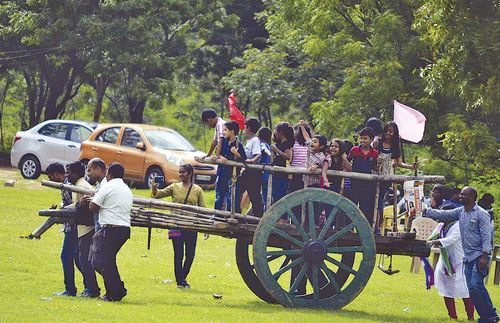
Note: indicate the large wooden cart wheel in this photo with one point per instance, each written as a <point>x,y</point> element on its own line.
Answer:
<point>314,272</point>
<point>247,271</point>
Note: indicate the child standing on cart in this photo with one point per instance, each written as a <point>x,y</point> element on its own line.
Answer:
<point>231,149</point>
<point>364,160</point>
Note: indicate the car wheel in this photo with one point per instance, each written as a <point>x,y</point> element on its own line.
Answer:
<point>150,176</point>
<point>30,167</point>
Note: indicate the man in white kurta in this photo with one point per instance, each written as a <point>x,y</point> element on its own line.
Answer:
<point>452,286</point>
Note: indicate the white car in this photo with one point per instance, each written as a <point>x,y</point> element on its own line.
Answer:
<point>50,141</point>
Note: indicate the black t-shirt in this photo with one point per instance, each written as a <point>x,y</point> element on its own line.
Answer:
<point>336,165</point>
<point>281,161</point>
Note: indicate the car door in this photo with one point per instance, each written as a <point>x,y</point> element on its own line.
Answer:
<point>105,144</point>
<point>77,134</point>
<point>51,143</point>
<point>131,157</point>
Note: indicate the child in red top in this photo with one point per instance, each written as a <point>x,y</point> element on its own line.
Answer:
<point>364,160</point>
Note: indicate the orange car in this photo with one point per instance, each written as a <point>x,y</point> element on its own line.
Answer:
<point>146,151</point>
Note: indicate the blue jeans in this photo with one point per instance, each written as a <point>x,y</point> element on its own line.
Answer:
<point>69,258</point>
<point>480,297</point>
<point>280,188</point>
<point>223,193</point>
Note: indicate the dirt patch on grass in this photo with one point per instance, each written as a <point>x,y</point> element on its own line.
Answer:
<point>11,173</point>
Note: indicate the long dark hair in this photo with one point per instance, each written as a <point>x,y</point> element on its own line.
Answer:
<point>338,165</point>
<point>298,134</point>
<point>189,169</point>
<point>395,141</point>
<point>286,130</point>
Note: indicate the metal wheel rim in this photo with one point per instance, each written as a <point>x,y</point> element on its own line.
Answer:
<point>29,167</point>
<point>320,298</point>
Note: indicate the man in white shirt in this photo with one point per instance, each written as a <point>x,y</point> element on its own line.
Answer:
<point>85,228</point>
<point>113,201</point>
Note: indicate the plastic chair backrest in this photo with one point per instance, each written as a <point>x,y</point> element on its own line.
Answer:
<point>423,227</point>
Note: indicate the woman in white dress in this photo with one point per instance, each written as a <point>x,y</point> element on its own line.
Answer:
<point>448,275</point>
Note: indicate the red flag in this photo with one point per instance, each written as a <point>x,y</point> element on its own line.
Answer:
<point>234,113</point>
<point>411,123</point>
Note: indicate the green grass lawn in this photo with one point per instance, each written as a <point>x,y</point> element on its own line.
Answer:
<point>30,271</point>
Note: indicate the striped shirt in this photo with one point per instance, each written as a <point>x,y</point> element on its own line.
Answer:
<point>314,159</point>
<point>299,156</point>
<point>219,129</point>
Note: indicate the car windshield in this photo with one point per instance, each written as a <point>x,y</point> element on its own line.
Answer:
<point>171,140</point>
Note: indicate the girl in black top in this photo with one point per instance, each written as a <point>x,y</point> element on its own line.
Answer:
<point>338,161</point>
<point>282,152</point>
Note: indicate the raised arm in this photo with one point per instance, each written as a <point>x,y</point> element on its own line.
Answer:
<point>158,194</point>
<point>443,215</point>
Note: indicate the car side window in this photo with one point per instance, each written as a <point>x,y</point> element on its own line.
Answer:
<point>131,138</point>
<point>79,133</point>
<point>54,130</point>
<point>108,135</point>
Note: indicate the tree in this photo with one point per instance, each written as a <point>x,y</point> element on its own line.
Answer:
<point>47,35</point>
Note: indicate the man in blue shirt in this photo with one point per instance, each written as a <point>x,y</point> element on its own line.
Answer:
<point>475,230</point>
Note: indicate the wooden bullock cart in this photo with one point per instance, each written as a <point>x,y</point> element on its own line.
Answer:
<point>322,259</point>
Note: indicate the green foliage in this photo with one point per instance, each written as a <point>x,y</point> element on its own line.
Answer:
<point>463,37</point>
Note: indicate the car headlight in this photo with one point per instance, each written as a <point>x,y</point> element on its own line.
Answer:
<point>175,160</point>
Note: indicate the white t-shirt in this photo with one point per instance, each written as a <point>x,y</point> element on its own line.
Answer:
<point>219,129</point>
<point>252,147</point>
<point>101,183</point>
<point>115,201</point>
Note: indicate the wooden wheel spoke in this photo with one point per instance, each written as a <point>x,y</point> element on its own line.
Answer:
<point>298,226</point>
<point>331,276</point>
<point>340,233</point>
<point>288,237</point>
<point>315,283</point>
<point>268,258</point>
<point>312,223</point>
<point>299,277</point>
<point>282,270</point>
<point>341,265</point>
<point>279,253</point>
<point>285,262</point>
<point>328,224</point>
<point>346,249</point>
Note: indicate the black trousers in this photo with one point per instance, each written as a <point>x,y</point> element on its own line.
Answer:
<point>88,272</point>
<point>251,181</point>
<point>184,251</point>
<point>114,239</point>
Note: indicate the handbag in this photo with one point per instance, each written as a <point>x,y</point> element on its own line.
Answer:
<point>96,252</point>
<point>178,233</point>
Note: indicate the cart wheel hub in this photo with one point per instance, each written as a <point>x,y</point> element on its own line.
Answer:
<point>315,251</point>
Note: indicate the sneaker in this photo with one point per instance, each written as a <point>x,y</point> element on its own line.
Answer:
<point>180,286</point>
<point>65,294</point>
<point>89,294</point>
<point>106,298</point>
<point>186,285</point>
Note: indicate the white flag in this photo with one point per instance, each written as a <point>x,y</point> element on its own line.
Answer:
<point>411,123</point>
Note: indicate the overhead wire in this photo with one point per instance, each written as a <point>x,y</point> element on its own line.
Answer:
<point>29,55</point>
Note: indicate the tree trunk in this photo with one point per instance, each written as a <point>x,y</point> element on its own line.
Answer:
<point>101,85</point>
<point>223,103</point>
<point>268,108</point>
<point>4,96</point>
<point>136,110</point>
